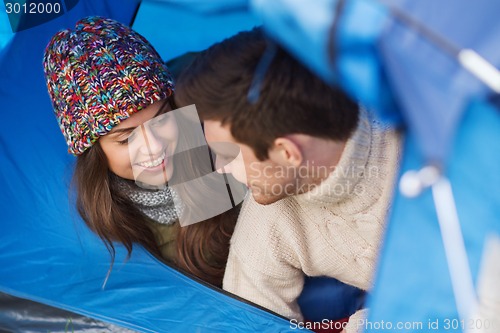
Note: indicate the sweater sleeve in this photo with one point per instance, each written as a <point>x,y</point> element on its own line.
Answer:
<point>256,269</point>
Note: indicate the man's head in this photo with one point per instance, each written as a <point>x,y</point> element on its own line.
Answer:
<point>297,125</point>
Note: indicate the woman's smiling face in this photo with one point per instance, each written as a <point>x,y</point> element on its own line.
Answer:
<point>141,147</point>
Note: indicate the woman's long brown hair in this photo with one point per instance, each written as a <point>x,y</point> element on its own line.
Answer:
<point>202,248</point>
<point>105,210</point>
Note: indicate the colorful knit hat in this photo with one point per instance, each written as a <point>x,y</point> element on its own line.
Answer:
<point>100,74</point>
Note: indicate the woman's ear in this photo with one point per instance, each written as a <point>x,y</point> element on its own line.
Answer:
<point>286,152</point>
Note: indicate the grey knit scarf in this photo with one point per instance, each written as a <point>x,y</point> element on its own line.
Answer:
<point>155,204</point>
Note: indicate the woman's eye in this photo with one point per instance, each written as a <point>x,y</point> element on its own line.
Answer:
<point>123,142</point>
<point>127,140</point>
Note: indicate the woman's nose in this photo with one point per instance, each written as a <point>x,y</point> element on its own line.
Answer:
<point>152,144</point>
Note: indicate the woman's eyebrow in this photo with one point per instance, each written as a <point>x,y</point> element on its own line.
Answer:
<point>121,130</point>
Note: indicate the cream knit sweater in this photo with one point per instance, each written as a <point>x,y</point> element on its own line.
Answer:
<point>333,230</point>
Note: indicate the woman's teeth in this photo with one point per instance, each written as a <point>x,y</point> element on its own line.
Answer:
<point>154,163</point>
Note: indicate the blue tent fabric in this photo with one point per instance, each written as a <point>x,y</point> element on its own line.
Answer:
<point>413,262</point>
<point>190,26</point>
<point>6,33</point>
<point>434,101</point>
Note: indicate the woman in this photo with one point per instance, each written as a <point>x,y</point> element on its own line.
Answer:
<point>106,83</point>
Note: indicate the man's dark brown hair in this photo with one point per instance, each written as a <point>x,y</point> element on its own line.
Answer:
<point>292,100</point>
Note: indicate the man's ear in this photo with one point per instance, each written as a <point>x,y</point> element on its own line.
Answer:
<point>286,152</point>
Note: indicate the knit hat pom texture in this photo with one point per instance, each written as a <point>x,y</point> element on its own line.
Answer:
<point>100,74</point>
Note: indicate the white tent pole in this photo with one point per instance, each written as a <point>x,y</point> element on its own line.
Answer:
<point>412,184</point>
<point>455,250</point>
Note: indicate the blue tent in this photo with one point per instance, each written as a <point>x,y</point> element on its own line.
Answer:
<point>403,59</point>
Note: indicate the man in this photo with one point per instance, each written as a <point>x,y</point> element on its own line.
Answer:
<point>321,172</point>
